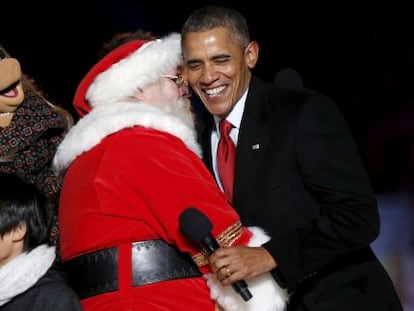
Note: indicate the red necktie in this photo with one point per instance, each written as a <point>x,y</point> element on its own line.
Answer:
<point>226,155</point>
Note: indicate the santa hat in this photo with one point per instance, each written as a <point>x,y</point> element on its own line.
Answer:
<point>127,68</point>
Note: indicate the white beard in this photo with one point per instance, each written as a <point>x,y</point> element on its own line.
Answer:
<point>180,109</point>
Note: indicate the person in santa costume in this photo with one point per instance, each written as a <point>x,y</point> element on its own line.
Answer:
<point>131,166</point>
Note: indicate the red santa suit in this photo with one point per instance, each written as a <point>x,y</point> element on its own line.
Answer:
<point>130,171</point>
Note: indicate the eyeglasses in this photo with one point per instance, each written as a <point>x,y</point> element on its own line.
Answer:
<point>177,79</point>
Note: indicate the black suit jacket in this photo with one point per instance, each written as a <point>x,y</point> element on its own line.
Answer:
<point>299,176</point>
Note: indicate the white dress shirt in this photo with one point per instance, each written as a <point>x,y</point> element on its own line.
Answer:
<point>234,118</point>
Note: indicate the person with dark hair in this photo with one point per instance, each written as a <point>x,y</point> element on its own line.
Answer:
<point>288,163</point>
<point>30,277</point>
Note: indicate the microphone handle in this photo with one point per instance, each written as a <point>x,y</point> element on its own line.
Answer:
<point>210,243</point>
<point>239,286</point>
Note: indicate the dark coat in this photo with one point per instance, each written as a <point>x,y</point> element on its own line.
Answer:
<point>300,177</point>
<point>49,293</point>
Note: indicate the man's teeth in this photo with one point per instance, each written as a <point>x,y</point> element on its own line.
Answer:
<point>215,91</point>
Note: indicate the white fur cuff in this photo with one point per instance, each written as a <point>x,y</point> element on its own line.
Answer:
<point>267,294</point>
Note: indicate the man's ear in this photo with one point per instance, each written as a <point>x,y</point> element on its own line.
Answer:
<point>251,54</point>
<point>19,232</point>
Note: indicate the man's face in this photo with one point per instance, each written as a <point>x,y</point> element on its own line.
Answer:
<point>217,68</point>
<point>170,93</point>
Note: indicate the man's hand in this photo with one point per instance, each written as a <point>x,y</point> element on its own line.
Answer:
<point>240,263</point>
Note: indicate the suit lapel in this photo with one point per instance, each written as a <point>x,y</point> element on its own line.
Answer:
<point>253,138</point>
<point>250,150</point>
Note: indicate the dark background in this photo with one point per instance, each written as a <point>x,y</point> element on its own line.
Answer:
<point>362,57</point>
<point>350,55</point>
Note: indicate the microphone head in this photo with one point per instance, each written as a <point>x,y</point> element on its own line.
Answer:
<point>195,224</point>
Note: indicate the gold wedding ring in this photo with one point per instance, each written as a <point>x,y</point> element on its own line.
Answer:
<point>228,272</point>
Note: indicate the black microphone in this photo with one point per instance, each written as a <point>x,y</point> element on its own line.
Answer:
<point>197,227</point>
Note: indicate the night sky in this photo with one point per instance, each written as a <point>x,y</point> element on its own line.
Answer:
<point>367,70</point>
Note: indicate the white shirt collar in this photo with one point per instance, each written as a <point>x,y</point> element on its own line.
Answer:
<point>235,114</point>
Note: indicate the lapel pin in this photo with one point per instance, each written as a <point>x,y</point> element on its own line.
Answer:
<point>255,146</point>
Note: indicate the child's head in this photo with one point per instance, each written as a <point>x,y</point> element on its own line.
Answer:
<point>25,216</point>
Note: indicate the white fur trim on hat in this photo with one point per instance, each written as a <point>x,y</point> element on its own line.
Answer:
<point>140,68</point>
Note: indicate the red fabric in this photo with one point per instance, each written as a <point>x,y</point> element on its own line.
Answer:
<point>79,102</point>
<point>226,158</point>
<point>132,187</point>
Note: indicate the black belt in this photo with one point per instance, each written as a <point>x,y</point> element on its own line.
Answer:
<point>152,261</point>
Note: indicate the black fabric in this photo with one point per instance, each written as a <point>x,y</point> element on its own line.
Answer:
<point>50,293</point>
<point>152,261</point>
<point>307,187</point>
